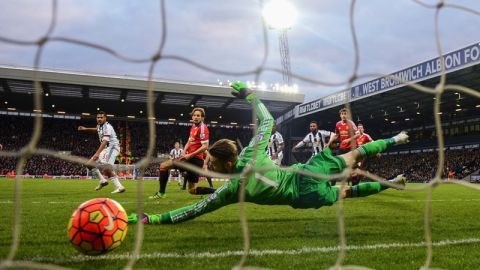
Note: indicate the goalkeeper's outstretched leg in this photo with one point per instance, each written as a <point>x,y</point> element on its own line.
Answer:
<point>368,150</point>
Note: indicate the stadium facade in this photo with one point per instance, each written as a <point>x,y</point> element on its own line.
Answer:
<point>387,105</point>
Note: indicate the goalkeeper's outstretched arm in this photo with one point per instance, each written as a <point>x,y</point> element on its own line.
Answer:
<point>241,90</point>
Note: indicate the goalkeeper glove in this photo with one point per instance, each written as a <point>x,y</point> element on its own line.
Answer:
<point>241,90</point>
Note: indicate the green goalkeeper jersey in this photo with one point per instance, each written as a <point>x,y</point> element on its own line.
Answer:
<point>272,186</point>
<point>268,184</point>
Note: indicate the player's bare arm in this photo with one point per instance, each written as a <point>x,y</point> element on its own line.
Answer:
<point>202,149</point>
<point>298,145</point>
<point>332,138</point>
<point>351,139</point>
<point>207,159</point>
<point>185,148</point>
<point>99,150</point>
<point>88,129</point>
<point>280,149</point>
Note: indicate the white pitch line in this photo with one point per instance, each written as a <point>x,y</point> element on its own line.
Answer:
<point>253,252</point>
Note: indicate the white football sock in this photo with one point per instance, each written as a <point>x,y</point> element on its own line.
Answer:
<point>116,182</point>
<point>99,174</point>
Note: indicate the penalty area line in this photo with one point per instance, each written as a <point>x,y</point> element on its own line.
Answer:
<point>253,252</point>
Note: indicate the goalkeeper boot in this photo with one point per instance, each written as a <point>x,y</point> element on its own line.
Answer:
<point>145,218</point>
<point>101,185</point>
<point>401,138</point>
<point>133,218</point>
<point>157,196</point>
<point>400,181</point>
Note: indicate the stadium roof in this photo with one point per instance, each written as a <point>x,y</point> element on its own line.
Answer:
<point>76,93</point>
<point>383,105</point>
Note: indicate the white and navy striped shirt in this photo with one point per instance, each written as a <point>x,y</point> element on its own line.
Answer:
<point>274,143</point>
<point>176,153</point>
<point>107,133</point>
<point>317,140</point>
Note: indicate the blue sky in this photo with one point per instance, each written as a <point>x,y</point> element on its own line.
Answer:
<point>228,35</point>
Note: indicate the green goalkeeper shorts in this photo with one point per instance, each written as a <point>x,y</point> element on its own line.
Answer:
<point>317,192</point>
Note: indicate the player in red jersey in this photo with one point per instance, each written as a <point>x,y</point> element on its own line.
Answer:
<point>346,130</point>
<point>194,153</point>
<point>196,149</point>
<point>362,139</point>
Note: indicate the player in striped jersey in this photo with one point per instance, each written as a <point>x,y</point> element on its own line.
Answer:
<point>106,153</point>
<point>275,146</point>
<point>316,138</point>
<point>175,154</point>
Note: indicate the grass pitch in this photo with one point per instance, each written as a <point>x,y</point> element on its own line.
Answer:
<point>383,231</point>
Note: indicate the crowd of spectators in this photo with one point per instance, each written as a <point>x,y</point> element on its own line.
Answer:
<point>421,167</point>
<point>62,135</point>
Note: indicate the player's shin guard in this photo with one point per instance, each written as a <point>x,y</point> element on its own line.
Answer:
<point>366,189</point>
<point>372,148</point>
<point>163,180</point>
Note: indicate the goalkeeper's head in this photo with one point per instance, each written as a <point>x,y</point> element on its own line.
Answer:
<point>223,155</point>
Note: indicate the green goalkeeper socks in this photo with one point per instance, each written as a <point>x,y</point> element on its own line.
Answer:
<point>366,189</point>
<point>372,148</point>
<point>159,219</point>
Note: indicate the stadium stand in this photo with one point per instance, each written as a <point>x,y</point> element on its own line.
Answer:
<point>62,135</point>
<point>420,167</point>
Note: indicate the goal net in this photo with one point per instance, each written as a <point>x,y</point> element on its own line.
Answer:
<point>53,34</point>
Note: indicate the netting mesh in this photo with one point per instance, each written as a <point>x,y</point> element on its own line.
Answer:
<point>255,72</point>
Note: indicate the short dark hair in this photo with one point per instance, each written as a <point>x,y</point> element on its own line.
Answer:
<point>343,110</point>
<point>102,112</point>
<point>314,122</point>
<point>224,149</point>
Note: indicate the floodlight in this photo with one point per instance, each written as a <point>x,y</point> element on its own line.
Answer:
<point>279,14</point>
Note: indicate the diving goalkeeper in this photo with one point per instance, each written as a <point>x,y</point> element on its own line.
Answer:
<point>277,186</point>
